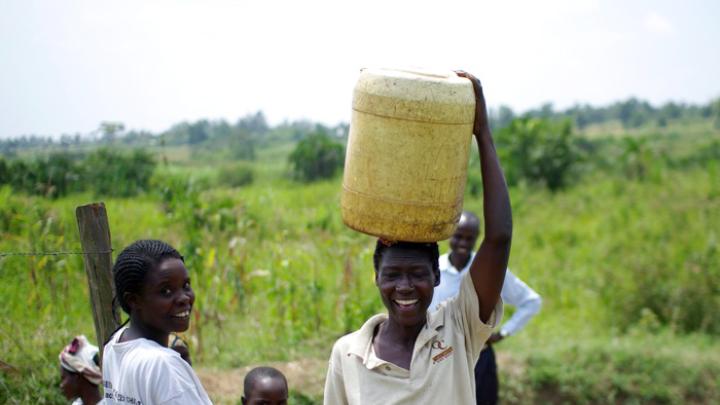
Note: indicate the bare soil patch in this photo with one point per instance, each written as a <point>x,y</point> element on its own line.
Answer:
<point>225,386</point>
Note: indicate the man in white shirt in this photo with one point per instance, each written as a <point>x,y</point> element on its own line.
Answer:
<point>514,292</point>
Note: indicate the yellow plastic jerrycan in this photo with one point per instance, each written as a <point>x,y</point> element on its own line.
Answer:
<point>407,154</point>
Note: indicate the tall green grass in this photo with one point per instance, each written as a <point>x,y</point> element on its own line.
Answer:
<point>277,276</point>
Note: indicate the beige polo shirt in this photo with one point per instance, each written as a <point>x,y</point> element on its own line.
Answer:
<point>442,365</point>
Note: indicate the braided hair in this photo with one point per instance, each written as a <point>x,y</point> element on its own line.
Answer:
<point>430,249</point>
<point>133,264</point>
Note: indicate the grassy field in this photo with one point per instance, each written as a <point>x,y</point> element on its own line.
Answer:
<point>628,267</point>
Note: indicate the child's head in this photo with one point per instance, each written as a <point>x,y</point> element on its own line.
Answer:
<point>70,384</point>
<point>79,369</point>
<point>265,386</point>
<point>179,345</point>
<point>153,286</point>
<point>406,274</point>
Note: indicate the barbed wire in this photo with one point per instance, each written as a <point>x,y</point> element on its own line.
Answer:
<point>57,253</point>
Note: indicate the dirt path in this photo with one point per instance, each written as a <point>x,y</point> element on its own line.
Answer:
<point>306,376</point>
<point>226,386</point>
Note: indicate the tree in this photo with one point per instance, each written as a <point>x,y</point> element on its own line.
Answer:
<point>110,130</point>
<point>253,123</point>
<point>316,157</point>
<point>4,172</point>
<point>671,111</point>
<point>538,150</point>
<point>547,110</point>
<point>198,132</point>
<point>502,117</point>
<point>633,112</point>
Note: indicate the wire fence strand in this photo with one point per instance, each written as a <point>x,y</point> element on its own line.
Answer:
<point>57,253</point>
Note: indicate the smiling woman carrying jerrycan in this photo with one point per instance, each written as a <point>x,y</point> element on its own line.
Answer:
<point>410,355</point>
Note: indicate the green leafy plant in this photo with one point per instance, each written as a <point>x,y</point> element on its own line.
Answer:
<point>316,157</point>
<point>538,151</point>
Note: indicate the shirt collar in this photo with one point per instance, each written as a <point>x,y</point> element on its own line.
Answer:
<point>447,266</point>
<point>363,340</point>
<point>362,344</point>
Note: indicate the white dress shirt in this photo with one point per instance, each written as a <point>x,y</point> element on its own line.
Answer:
<point>514,292</point>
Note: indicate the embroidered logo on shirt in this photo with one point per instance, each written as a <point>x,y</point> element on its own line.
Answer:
<point>444,354</point>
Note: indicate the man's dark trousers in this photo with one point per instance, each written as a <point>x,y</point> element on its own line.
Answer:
<point>486,379</point>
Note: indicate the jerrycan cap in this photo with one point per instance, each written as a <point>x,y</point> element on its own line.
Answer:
<point>416,94</point>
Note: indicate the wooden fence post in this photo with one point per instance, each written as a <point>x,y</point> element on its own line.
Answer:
<point>95,239</point>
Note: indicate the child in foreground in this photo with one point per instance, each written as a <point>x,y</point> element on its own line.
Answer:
<point>410,355</point>
<point>265,386</point>
<point>153,287</point>
<point>179,345</point>
<point>80,372</point>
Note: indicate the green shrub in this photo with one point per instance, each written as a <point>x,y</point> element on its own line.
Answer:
<point>105,172</point>
<point>49,176</point>
<point>706,155</point>
<point>4,172</point>
<point>316,157</point>
<point>636,158</point>
<point>57,175</point>
<point>235,175</point>
<point>538,151</point>
<point>636,369</point>
<point>119,174</point>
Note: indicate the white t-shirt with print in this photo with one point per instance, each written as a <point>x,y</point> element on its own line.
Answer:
<point>142,372</point>
<point>78,401</point>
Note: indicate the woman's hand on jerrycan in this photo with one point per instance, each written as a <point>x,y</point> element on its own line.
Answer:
<point>481,125</point>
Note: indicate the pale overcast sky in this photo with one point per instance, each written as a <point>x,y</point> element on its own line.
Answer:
<point>67,65</point>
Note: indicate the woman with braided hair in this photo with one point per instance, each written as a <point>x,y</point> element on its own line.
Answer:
<point>153,287</point>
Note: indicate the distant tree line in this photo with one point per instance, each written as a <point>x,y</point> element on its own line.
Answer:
<point>239,140</point>
<point>235,141</point>
<point>108,133</point>
<point>538,147</point>
<point>218,139</point>
<point>631,113</point>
